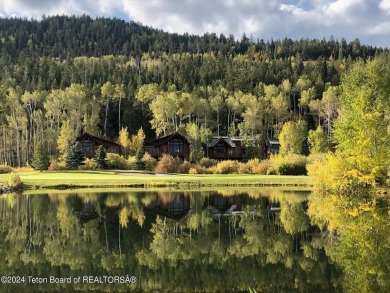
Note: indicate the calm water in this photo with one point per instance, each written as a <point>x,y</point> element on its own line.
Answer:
<point>214,241</point>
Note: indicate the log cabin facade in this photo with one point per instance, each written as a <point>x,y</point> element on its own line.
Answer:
<point>225,148</point>
<point>90,144</point>
<point>175,145</point>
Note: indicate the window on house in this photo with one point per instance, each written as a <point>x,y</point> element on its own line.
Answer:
<point>87,146</point>
<point>176,146</point>
<point>149,150</point>
<point>113,150</point>
<point>220,150</point>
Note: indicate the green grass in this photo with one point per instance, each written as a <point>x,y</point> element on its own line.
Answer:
<point>120,179</point>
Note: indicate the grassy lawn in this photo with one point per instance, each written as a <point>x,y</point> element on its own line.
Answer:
<point>112,178</point>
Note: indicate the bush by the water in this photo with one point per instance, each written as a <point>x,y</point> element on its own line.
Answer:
<point>115,161</point>
<point>227,167</point>
<point>288,165</point>
<point>56,166</point>
<point>14,181</point>
<point>5,169</point>
<point>185,167</point>
<point>89,164</point>
<point>207,163</point>
<point>150,162</point>
<point>168,164</point>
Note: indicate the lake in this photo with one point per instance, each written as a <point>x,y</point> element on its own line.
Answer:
<point>244,240</point>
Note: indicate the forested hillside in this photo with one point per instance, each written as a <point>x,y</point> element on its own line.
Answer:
<point>62,76</point>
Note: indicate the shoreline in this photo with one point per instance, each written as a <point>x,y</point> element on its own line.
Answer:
<point>108,179</point>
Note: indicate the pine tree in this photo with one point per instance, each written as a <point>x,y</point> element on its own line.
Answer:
<point>139,163</point>
<point>41,157</point>
<point>75,156</point>
<point>101,158</point>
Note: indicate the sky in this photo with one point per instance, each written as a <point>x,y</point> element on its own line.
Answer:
<point>368,20</point>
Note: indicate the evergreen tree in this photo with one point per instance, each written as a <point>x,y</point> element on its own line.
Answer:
<point>75,156</point>
<point>41,157</point>
<point>101,158</point>
<point>139,163</point>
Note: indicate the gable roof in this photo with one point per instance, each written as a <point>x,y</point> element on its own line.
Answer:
<point>230,141</point>
<point>272,141</point>
<point>165,139</point>
<point>98,140</point>
<point>225,139</point>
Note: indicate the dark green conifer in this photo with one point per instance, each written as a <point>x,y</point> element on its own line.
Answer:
<point>139,163</point>
<point>101,158</point>
<point>41,157</point>
<point>75,156</point>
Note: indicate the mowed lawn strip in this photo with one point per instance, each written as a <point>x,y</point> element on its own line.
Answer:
<point>112,178</point>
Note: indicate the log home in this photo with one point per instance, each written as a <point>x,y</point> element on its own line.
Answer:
<point>90,144</point>
<point>226,148</point>
<point>175,145</point>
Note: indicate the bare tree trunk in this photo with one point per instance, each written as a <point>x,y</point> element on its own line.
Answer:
<point>119,113</point>
<point>105,119</point>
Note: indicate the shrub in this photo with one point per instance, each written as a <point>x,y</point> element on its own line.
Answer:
<point>197,169</point>
<point>291,169</point>
<point>207,163</point>
<point>227,167</point>
<point>185,167</point>
<point>130,161</point>
<point>319,157</point>
<point>193,170</point>
<point>288,165</point>
<point>244,168</point>
<point>261,167</point>
<point>56,166</point>
<point>90,164</point>
<point>115,161</point>
<point>23,169</point>
<point>168,164</point>
<point>14,181</point>
<point>5,169</point>
<point>150,162</point>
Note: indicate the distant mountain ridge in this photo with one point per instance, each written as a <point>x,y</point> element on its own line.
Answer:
<point>71,36</point>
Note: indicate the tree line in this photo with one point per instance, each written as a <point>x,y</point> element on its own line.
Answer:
<point>249,91</point>
<point>63,36</point>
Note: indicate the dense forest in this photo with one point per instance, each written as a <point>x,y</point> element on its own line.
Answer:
<point>62,76</point>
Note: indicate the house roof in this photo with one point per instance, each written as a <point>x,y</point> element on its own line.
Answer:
<point>98,140</point>
<point>272,141</point>
<point>230,141</point>
<point>165,139</point>
<point>225,139</point>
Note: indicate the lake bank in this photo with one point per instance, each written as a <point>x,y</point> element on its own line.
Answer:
<point>128,179</point>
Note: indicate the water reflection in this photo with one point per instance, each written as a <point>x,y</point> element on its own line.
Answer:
<point>216,241</point>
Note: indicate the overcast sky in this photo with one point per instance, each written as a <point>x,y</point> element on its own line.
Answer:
<point>368,20</point>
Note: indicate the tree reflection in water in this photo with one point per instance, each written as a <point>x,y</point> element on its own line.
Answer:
<point>271,241</point>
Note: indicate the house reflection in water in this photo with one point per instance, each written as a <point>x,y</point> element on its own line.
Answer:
<point>220,205</point>
<point>87,211</point>
<point>177,206</point>
<point>170,204</point>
